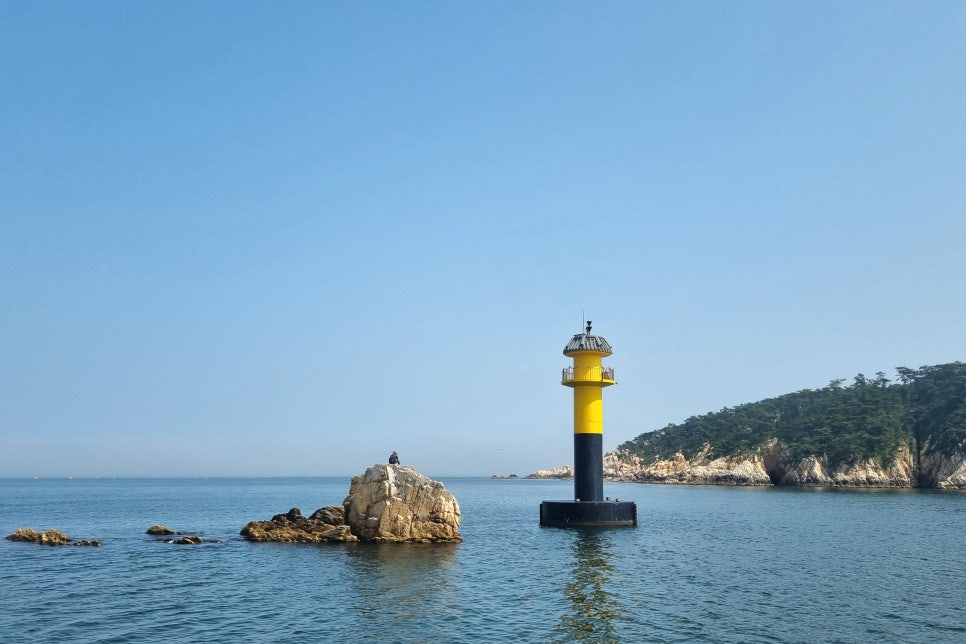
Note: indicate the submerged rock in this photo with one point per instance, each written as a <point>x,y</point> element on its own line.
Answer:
<point>190,540</point>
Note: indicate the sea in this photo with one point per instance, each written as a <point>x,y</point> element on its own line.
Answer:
<point>704,564</point>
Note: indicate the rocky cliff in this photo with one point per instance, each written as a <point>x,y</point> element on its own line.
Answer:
<point>703,469</point>
<point>942,471</point>
<point>815,471</point>
<point>771,464</point>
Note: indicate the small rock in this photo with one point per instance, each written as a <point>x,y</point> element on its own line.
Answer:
<point>330,515</point>
<point>49,538</point>
<point>189,540</point>
<point>160,530</point>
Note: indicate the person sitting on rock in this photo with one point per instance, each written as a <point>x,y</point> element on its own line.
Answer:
<point>394,459</point>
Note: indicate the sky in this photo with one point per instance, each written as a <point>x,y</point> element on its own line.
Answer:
<point>285,239</point>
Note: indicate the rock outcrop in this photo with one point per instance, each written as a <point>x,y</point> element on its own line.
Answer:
<point>386,504</point>
<point>564,472</point>
<point>395,503</point>
<point>160,530</point>
<point>703,469</point>
<point>324,525</point>
<point>815,471</point>
<point>942,471</point>
<point>49,538</point>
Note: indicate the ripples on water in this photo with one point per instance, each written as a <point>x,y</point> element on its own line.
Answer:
<point>706,564</point>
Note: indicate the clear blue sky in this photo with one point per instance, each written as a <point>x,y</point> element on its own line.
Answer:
<point>288,238</point>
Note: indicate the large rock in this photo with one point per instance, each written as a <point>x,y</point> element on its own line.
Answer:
<point>395,503</point>
<point>388,503</point>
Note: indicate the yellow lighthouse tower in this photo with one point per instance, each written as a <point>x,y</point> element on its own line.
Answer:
<point>588,377</point>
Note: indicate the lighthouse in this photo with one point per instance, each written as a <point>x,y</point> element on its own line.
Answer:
<point>588,377</point>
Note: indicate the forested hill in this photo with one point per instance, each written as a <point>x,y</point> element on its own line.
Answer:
<point>869,418</point>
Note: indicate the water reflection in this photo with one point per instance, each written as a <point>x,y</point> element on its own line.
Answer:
<point>406,589</point>
<point>595,609</point>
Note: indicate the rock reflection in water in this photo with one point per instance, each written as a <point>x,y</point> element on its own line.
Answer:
<point>595,609</point>
<point>402,589</point>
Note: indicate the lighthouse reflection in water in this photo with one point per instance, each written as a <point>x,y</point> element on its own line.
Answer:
<point>594,610</point>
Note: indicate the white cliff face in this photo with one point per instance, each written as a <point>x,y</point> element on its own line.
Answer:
<point>562,472</point>
<point>621,466</point>
<point>943,471</point>
<point>814,471</point>
<point>956,477</point>
<point>701,470</point>
<point>808,472</point>
<point>871,473</point>
<point>394,503</point>
<point>773,464</point>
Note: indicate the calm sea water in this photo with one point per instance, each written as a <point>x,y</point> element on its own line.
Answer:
<point>706,564</point>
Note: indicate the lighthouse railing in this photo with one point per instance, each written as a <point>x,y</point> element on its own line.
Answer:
<point>595,374</point>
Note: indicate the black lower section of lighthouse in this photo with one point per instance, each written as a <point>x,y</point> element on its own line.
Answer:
<point>588,467</point>
<point>577,514</point>
<point>589,508</point>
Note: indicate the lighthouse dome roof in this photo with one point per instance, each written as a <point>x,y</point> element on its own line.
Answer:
<point>587,342</point>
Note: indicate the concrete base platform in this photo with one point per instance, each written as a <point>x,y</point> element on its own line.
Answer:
<point>565,514</point>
